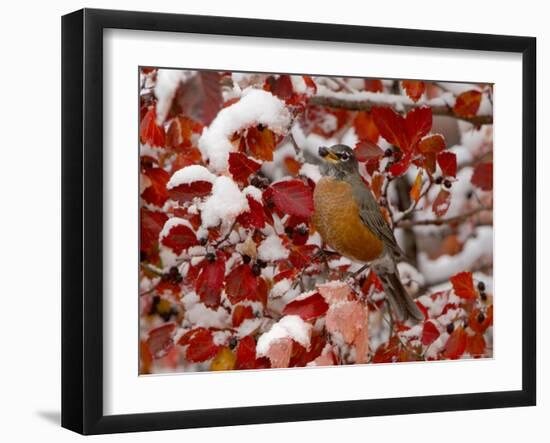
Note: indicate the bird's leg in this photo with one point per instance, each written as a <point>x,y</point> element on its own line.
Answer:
<point>360,271</point>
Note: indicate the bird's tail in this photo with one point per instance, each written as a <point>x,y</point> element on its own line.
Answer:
<point>400,301</point>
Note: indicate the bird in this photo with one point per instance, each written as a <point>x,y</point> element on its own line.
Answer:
<point>349,220</point>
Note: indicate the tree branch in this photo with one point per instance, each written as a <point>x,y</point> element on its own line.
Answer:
<point>443,221</point>
<point>368,104</point>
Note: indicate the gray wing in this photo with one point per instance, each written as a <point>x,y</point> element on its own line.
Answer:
<point>372,217</point>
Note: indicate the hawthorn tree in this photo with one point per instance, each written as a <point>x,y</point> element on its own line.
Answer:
<point>233,275</point>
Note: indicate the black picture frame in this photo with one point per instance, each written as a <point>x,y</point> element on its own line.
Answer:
<point>82,218</point>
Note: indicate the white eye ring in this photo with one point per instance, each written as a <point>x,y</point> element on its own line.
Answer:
<point>344,156</point>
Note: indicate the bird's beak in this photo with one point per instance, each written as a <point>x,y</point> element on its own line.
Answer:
<point>327,155</point>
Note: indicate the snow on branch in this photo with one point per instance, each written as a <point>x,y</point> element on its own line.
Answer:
<point>365,101</point>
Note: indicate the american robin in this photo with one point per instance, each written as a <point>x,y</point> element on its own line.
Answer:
<point>349,220</point>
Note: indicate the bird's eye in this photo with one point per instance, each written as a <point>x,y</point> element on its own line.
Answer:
<point>344,156</point>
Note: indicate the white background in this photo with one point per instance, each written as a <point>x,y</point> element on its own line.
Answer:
<point>30,222</point>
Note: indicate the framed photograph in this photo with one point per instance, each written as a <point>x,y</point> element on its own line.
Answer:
<point>271,221</point>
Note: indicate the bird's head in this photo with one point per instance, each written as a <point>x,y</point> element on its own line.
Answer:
<point>338,161</point>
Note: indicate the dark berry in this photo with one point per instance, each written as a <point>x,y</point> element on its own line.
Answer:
<point>211,257</point>
<point>483,296</point>
<point>261,263</point>
<point>246,259</point>
<point>450,328</point>
<point>203,241</point>
<point>480,317</point>
<point>256,269</point>
<point>232,342</point>
<point>447,184</point>
<point>481,286</point>
<point>259,182</point>
<point>438,180</point>
<point>388,152</point>
<point>302,230</point>
<point>289,230</point>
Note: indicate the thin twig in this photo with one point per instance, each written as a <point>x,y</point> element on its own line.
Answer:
<point>405,214</point>
<point>443,221</point>
<point>226,236</point>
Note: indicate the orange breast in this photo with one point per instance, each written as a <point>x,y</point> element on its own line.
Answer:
<point>337,220</point>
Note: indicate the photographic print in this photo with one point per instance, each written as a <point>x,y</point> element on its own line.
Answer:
<point>296,221</point>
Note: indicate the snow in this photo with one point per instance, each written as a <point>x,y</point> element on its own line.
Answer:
<point>310,171</point>
<point>255,107</point>
<point>190,174</point>
<point>291,326</point>
<point>272,249</point>
<point>168,81</point>
<point>172,222</point>
<point>200,315</point>
<point>281,288</point>
<point>225,204</point>
<point>446,266</point>
<point>253,192</point>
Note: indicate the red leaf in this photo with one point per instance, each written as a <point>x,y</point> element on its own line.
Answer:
<point>188,191</point>
<point>463,285</point>
<point>483,176</point>
<point>149,131</point>
<point>246,353</point>
<point>433,143</point>
<point>372,280</point>
<point>261,142</point>
<point>241,313</point>
<point>430,333</point>
<point>391,126</point>
<point>281,86</point>
<point>151,223</point>
<point>308,308</point>
<point>414,88</point>
<point>447,163</point>
<point>475,345</point>
<point>397,169</point>
<point>210,281</point>
<point>373,85</point>
<point>200,97</point>
<point>293,197</point>
<point>201,345</point>
<point>241,167</point>
<point>161,339</point>
<point>486,320</point>
<point>456,344</point>
<point>366,150</point>
<point>441,203</point>
<point>180,237</point>
<point>241,284</point>
<point>467,104</point>
<point>416,187</point>
<point>300,356</point>
<point>187,157</point>
<point>418,123</point>
<point>300,256</point>
<point>292,165</point>
<point>156,192</point>
<point>255,216</point>
<point>365,127</point>
<point>180,131</point>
